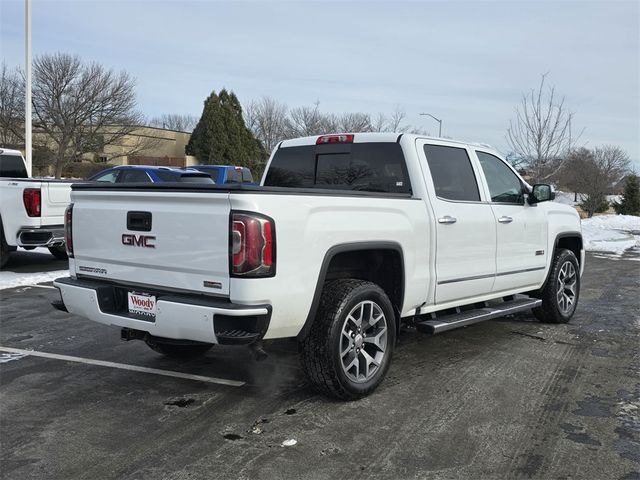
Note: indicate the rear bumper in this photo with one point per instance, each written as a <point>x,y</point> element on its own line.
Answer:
<point>178,316</point>
<point>41,236</point>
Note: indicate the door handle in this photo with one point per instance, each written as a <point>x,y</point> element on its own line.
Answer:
<point>447,220</point>
<point>505,219</point>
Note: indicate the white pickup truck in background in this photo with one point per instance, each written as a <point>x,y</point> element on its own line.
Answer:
<point>347,236</point>
<point>31,209</point>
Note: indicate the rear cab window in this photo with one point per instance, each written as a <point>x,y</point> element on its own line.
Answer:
<point>12,166</point>
<point>367,167</point>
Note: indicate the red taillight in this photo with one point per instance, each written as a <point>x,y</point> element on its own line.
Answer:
<point>343,138</point>
<point>252,245</point>
<point>31,198</point>
<point>68,230</point>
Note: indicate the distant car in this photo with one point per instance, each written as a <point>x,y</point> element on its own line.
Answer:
<point>149,174</point>
<point>222,174</point>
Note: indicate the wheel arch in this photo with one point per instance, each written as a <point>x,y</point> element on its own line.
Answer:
<point>343,259</point>
<point>571,241</point>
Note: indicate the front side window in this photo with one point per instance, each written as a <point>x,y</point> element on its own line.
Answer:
<point>109,177</point>
<point>504,185</point>
<point>452,173</point>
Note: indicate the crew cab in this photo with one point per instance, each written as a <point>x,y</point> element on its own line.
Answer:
<point>31,209</point>
<point>347,237</point>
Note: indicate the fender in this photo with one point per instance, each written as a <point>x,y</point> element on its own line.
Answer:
<point>350,247</point>
<point>570,234</point>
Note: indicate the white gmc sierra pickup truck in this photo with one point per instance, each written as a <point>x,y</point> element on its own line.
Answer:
<point>347,236</point>
<point>31,209</point>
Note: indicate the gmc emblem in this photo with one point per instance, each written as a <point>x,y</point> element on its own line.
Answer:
<point>138,240</point>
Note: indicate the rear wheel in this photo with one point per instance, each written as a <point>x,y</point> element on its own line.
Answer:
<point>59,252</point>
<point>349,346</point>
<point>178,350</point>
<point>561,292</point>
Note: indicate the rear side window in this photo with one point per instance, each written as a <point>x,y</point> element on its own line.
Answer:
<point>12,166</point>
<point>134,176</point>
<point>166,176</point>
<point>452,174</point>
<point>369,167</point>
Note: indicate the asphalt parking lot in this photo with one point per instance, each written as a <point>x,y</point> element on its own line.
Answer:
<point>510,398</point>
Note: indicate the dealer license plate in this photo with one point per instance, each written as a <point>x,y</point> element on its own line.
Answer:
<point>141,304</point>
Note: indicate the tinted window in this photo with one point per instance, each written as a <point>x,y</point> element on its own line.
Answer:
<point>246,175</point>
<point>234,176</point>
<point>196,179</point>
<point>12,166</point>
<point>372,167</point>
<point>452,174</point>
<point>504,185</point>
<point>133,176</point>
<point>166,176</point>
<point>109,177</point>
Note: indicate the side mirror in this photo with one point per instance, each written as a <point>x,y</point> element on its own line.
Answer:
<point>542,192</point>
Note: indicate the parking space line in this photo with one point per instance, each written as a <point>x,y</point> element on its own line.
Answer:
<point>42,286</point>
<point>124,366</point>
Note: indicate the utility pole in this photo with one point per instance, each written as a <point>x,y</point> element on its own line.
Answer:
<point>27,103</point>
<point>437,120</point>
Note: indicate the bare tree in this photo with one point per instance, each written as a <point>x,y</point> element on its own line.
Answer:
<point>593,174</point>
<point>354,122</point>
<point>11,108</point>
<point>175,121</point>
<point>541,132</point>
<point>304,121</point>
<point>267,119</point>
<point>83,107</point>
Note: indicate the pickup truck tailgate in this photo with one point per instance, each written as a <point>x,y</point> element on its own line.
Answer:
<point>184,244</point>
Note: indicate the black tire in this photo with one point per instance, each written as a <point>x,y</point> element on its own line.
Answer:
<point>320,349</point>
<point>59,252</point>
<point>4,248</point>
<point>178,350</point>
<point>552,309</point>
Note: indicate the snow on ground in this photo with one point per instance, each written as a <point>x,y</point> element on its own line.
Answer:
<point>611,233</point>
<point>566,198</point>
<point>11,279</point>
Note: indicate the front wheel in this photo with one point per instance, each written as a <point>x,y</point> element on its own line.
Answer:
<point>348,349</point>
<point>59,252</point>
<point>561,292</point>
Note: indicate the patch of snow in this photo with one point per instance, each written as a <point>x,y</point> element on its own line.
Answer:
<point>611,233</point>
<point>566,198</point>
<point>289,443</point>
<point>11,279</point>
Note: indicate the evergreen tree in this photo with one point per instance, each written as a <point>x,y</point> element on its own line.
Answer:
<point>630,203</point>
<point>221,136</point>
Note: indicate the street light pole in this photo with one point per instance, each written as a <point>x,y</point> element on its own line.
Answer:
<point>437,120</point>
<point>27,103</point>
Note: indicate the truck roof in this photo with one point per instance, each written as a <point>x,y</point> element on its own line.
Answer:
<point>368,137</point>
<point>8,151</point>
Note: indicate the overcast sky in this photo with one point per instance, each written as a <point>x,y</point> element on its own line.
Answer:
<point>465,62</point>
